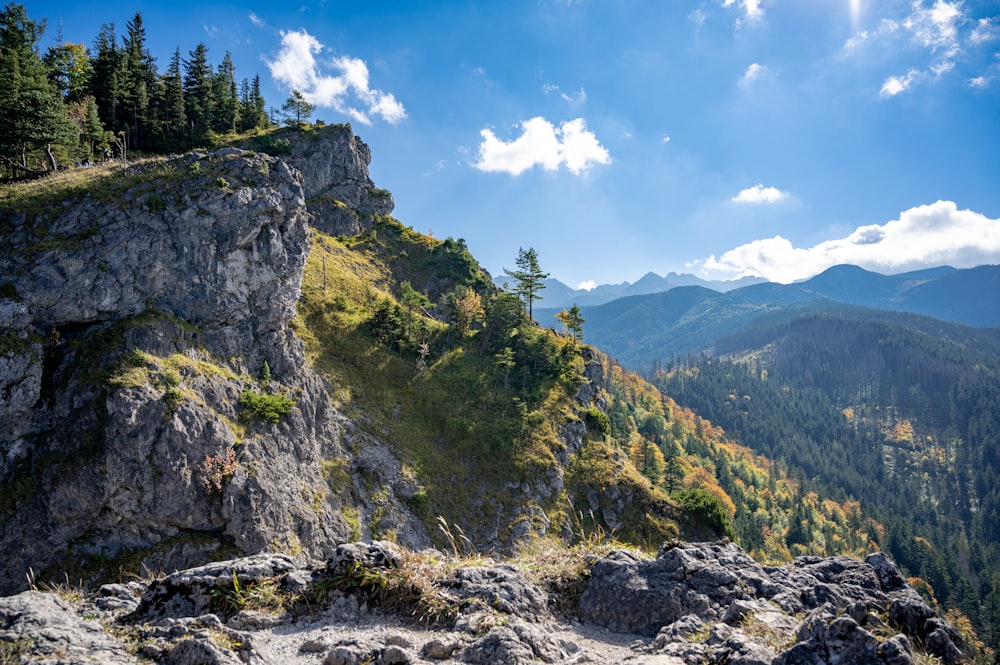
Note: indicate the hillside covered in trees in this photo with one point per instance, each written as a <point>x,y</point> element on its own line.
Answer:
<point>78,104</point>
<point>894,411</point>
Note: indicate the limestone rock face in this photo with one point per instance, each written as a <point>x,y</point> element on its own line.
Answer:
<point>46,627</point>
<point>689,584</point>
<point>334,165</point>
<point>143,314</point>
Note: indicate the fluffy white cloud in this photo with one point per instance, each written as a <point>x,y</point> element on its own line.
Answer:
<point>256,20</point>
<point>570,145</point>
<point>760,194</point>
<point>936,27</point>
<point>922,237</point>
<point>894,85</point>
<point>339,83</point>
<point>589,285</point>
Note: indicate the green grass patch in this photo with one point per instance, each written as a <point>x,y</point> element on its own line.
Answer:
<point>266,407</point>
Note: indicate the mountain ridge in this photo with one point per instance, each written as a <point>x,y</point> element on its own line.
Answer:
<point>623,327</point>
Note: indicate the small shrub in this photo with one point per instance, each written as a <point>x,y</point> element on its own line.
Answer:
<point>222,182</point>
<point>155,202</point>
<point>597,421</point>
<point>379,193</point>
<point>269,408</point>
<point>217,470</point>
<point>274,145</point>
<point>706,508</point>
<point>173,397</point>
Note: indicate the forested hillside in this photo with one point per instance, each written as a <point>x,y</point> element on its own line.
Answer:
<point>78,104</point>
<point>479,401</point>
<point>895,412</point>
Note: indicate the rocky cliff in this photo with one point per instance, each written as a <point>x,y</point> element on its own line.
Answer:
<point>156,408</point>
<point>373,603</point>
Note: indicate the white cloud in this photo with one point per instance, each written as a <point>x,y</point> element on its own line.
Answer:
<point>979,82</point>
<point>210,30</point>
<point>760,194</point>
<point>894,85</point>
<point>345,90</point>
<point>570,145</point>
<point>932,39</point>
<point>666,138</point>
<point>256,20</point>
<point>752,10</point>
<point>987,29</point>
<point>922,237</point>
<point>936,27</point>
<point>589,285</point>
<point>753,72</point>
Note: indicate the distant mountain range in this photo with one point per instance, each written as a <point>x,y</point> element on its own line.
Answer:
<point>558,295</point>
<point>640,330</point>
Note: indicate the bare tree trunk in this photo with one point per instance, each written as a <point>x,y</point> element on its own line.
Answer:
<point>20,167</point>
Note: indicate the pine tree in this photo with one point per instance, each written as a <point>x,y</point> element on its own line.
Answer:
<point>108,76</point>
<point>259,105</point>
<point>297,109</point>
<point>141,83</point>
<point>34,116</point>
<point>226,110</point>
<point>93,130</point>
<point>199,97</point>
<point>573,320</point>
<point>529,277</point>
<point>173,114</point>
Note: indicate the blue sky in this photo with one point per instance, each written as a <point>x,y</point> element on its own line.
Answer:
<point>618,137</point>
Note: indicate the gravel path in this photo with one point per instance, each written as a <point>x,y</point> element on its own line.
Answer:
<point>309,641</point>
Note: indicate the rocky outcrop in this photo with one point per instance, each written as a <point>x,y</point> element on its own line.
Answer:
<point>362,606</point>
<point>341,196</point>
<point>140,323</point>
<point>689,586</point>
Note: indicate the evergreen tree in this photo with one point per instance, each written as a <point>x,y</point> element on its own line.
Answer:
<point>92,134</point>
<point>173,114</point>
<point>573,320</point>
<point>252,107</point>
<point>108,76</point>
<point>297,109</point>
<point>140,89</point>
<point>259,105</point>
<point>32,109</point>
<point>199,95</point>
<point>226,110</point>
<point>529,277</point>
